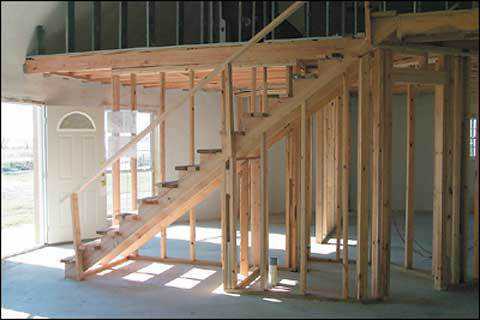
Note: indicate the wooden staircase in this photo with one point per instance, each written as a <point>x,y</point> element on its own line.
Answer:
<point>196,182</point>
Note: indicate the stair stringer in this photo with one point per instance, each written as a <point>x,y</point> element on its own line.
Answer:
<point>282,114</point>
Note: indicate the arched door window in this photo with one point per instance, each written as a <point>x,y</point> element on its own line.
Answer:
<point>76,121</point>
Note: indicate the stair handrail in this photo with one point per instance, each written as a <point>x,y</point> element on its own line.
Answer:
<point>262,33</point>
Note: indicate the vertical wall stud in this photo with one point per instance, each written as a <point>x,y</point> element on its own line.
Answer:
<point>410,183</point>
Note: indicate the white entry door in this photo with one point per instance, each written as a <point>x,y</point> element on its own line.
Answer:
<point>75,151</point>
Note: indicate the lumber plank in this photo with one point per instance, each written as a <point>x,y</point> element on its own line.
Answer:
<point>253,97</point>
<point>116,163</point>
<point>255,210</point>
<point>133,160</point>
<point>362,179</point>
<point>244,215</point>
<point>320,156</point>
<point>345,162</point>
<point>440,180</point>
<point>163,243</point>
<point>303,200</point>
<point>264,213</point>
<point>231,179</point>
<point>77,240</point>
<point>457,119</point>
<point>338,168</point>
<point>410,183</point>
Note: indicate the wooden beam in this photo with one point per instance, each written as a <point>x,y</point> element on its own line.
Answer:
<point>255,210</point>
<point>192,223</point>
<point>427,25</point>
<point>440,179</point>
<point>163,243</point>
<point>191,78</point>
<point>162,176</point>
<point>264,213</point>
<point>239,113</point>
<point>345,162</point>
<point>338,179</point>
<point>133,160</point>
<point>387,172</point>
<point>231,179</point>
<point>116,163</point>
<point>249,279</point>
<point>77,240</point>
<point>289,81</point>
<point>457,119</point>
<point>291,196</point>
<point>253,98</point>
<point>381,172</point>
<point>303,200</point>
<point>410,75</point>
<point>362,179</point>
<point>410,183</point>
<point>264,104</point>
<point>244,215</point>
<point>191,102</point>
<point>320,190</point>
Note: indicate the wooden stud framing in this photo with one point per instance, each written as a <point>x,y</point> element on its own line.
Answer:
<point>77,240</point>
<point>163,243</point>
<point>264,213</point>
<point>116,164</point>
<point>410,183</point>
<point>191,217</point>
<point>253,95</point>
<point>441,199</point>
<point>133,160</point>
<point>362,180</point>
<point>457,110</point>
<point>162,176</point>
<point>231,196</point>
<point>303,200</point>
<point>291,196</point>
<point>255,210</point>
<point>289,81</point>
<point>239,113</point>
<point>320,182</point>
<point>381,172</point>
<point>338,169</point>
<point>244,215</point>
<point>191,149</point>
<point>345,154</point>
<point>264,105</point>
<point>191,213</point>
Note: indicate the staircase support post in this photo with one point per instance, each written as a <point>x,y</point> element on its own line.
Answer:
<point>231,187</point>
<point>264,213</point>
<point>116,165</point>
<point>77,240</point>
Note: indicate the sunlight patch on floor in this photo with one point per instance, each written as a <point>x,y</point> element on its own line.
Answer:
<point>45,257</point>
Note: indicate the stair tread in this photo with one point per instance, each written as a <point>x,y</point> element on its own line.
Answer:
<point>208,151</point>
<point>258,114</point>
<point>188,166</point>
<point>70,259</point>
<point>166,184</point>
<point>107,229</point>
